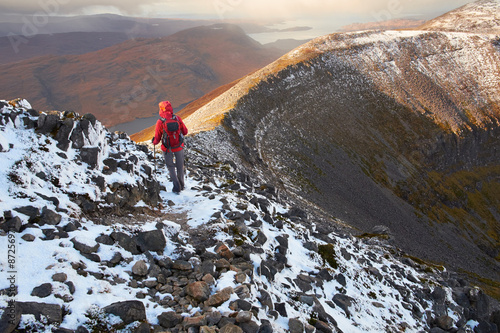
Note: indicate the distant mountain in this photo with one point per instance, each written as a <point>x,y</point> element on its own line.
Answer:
<point>133,27</point>
<point>22,38</point>
<point>395,128</point>
<point>286,45</point>
<point>482,16</point>
<point>14,49</point>
<point>126,81</point>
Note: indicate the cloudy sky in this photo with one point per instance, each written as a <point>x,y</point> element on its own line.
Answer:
<point>322,16</point>
<point>357,10</point>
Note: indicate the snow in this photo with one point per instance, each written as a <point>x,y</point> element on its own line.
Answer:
<point>39,260</point>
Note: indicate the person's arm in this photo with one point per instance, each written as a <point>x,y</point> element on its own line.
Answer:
<point>158,132</point>
<point>184,129</point>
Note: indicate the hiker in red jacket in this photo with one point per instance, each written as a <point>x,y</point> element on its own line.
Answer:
<point>170,130</point>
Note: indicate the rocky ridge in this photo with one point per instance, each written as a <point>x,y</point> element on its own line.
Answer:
<point>393,126</point>
<point>481,16</point>
<point>257,264</point>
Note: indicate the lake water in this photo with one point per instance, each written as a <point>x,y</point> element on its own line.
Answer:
<point>135,126</point>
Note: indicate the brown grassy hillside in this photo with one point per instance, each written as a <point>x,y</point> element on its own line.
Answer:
<point>149,132</point>
<point>126,81</point>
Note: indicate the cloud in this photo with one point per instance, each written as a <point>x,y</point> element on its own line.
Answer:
<point>230,9</point>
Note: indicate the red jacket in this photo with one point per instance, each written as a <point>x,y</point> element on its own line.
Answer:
<point>166,112</point>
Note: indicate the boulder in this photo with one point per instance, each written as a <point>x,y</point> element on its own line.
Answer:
<point>170,319</point>
<point>59,277</point>
<point>33,213</point>
<point>198,290</point>
<point>224,251</point>
<point>52,313</point>
<point>84,248</point>
<point>295,326</point>
<point>140,268</point>
<point>128,311</point>
<point>47,123</point>
<point>90,155</point>
<point>153,240</point>
<point>12,225</point>
<point>344,302</point>
<point>220,297</point>
<point>126,242</point>
<point>197,321</point>
<point>50,217</point>
<point>63,133</point>
<point>42,291</point>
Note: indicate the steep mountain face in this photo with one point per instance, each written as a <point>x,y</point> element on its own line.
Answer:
<point>392,128</point>
<point>481,16</point>
<point>126,81</point>
<point>88,214</point>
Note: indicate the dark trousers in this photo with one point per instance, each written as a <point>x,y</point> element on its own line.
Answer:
<point>175,165</point>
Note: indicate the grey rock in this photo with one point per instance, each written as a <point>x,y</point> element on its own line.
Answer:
<point>28,237</point>
<point>140,268</point>
<point>50,217</point>
<point>265,299</point>
<point>444,322</point>
<point>42,291</point>
<point>90,155</point>
<point>104,239</point>
<point>126,242</point>
<point>47,123</point>
<point>265,328</point>
<point>51,312</point>
<point>182,265</point>
<point>59,277</point>
<point>153,240</point>
<point>343,302</point>
<point>295,325</point>
<point>486,327</point>
<point>33,213</point>
<point>84,248</point>
<point>170,319</point>
<point>12,225</point>
<point>128,311</point>
<point>249,327</point>
<point>240,305</point>
<point>244,316</point>
<point>63,133</point>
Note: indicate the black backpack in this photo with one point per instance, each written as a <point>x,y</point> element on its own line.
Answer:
<point>172,137</point>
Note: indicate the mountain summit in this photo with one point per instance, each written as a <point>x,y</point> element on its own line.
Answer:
<point>482,16</point>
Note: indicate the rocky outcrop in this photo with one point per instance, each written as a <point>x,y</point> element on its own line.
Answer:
<point>94,146</point>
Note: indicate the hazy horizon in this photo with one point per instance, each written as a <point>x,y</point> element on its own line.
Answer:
<point>321,16</point>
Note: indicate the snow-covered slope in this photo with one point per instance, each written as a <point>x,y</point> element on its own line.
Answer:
<point>452,78</point>
<point>376,127</point>
<point>481,16</point>
<point>227,253</point>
